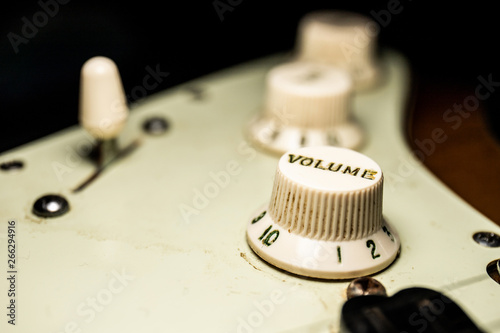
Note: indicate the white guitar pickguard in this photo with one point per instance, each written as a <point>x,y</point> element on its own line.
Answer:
<point>157,242</point>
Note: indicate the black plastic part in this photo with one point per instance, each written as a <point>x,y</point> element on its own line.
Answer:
<point>413,310</point>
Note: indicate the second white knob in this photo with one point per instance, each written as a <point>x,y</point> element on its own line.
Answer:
<point>306,104</point>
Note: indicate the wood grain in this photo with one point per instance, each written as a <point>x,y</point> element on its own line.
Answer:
<point>448,131</point>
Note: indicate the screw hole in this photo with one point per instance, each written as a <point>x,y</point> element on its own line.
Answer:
<point>12,165</point>
<point>155,126</point>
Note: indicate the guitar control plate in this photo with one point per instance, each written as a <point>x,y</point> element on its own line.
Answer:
<point>157,241</point>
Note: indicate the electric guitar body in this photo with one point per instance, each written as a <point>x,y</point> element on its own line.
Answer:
<point>156,239</point>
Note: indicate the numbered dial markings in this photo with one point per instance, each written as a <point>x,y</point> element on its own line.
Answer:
<point>322,259</point>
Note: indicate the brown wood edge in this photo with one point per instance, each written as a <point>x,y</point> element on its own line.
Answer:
<point>473,166</point>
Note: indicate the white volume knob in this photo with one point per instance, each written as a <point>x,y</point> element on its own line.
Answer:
<point>344,39</point>
<point>306,104</point>
<point>103,106</point>
<point>325,218</point>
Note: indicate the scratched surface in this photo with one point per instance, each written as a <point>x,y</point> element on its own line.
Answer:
<point>157,241</point>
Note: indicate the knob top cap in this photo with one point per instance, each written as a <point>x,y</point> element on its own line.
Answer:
<point>329,169</point>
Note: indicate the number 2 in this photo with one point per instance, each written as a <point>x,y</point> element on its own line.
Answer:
<point>371,244</point>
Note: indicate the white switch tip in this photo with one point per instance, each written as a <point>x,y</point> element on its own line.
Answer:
<point>103,107</point>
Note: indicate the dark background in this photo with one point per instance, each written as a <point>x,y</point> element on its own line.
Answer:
<point>449,42</point>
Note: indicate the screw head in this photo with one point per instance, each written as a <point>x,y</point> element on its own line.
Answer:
<point>156,126</point>
<point>50,205</point>
<point>488,239</point>
<point>365,286</point>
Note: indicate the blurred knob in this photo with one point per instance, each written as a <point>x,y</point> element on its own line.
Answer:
<point>344,39</point>
<point>306,104</point>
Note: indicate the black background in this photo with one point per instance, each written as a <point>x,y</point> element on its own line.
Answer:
<point>39,84</point>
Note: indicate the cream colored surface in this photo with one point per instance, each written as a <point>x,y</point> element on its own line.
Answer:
<point>157,242</point>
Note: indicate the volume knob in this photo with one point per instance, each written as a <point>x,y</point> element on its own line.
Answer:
<point>325,218</point>
<point>306,104</point>
<point>344,39</point>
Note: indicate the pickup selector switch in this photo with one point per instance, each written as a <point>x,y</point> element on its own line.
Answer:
<point>103,105</point>
<point>103,109</point>
<point>324,219</point>
<point>306,104</point>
